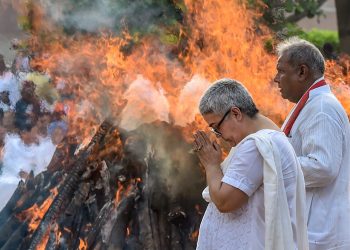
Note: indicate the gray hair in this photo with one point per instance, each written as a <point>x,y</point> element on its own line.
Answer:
<point>224,94</point>
<point>299,51</point>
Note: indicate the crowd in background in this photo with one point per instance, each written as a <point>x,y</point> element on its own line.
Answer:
<point>32,119</point>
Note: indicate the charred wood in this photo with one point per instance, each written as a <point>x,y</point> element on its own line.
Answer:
<point>164,230</point>
<point>115,193</point>
<point>44,191</point>
<point>92,207</point>
<point>15,240</point>
<point>143,217</point>
<point>124,210</point>
<point>70,227</point>
<point>175,239</point>
<point>30,181</point>
<point>78,199</point>
<point>77,226</point>
<point>7,210</point>
<point>63,154</point>
<point>133,243</point>
<point>71,222</point>
<point>8,228</point>
<point>52,243</point>
<point>105,181</point>
<point>102,218</point>
<point>68,187</point>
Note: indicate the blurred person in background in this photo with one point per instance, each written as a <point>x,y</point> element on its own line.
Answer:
<point>27,109</point>
<point>9,88</point>
<point>5,103</point>
<point>21,62</point>
<point>2,65</point>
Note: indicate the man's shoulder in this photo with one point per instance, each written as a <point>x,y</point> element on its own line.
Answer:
<point>326,103</point>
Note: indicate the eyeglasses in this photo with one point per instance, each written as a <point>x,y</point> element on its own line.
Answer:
<point>216,129</point>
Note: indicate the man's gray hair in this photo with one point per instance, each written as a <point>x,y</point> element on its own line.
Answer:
<point>299,51</point>
<point>225,94</point>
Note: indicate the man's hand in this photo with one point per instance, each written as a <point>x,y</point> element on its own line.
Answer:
<point>208,152</point>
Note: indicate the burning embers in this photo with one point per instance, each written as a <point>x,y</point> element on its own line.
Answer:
<point>117,193</point>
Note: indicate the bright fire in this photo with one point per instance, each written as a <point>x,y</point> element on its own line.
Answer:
<point>42,245</point>
<point>123,189</point>
<point>118,193</point>
<point>82,244</point>
<point>35,213</point>
<point>222,41</point>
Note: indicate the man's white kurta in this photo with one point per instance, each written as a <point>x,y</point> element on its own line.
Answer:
<point>321,139</point>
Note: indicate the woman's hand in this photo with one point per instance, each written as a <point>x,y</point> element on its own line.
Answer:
<point>208,152</point>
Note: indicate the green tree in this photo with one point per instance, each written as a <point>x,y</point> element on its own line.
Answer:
<point>343,17</point>
<point>282,15</point>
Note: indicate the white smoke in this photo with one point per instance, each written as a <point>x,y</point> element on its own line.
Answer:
<point>93,16</point>
<point>8,82</point>
<point>189,100</point>
<point>20,157</point>
<point>145,104</point>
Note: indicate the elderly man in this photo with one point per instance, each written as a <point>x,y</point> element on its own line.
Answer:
<point>318,128</point>
<point>249,206</point>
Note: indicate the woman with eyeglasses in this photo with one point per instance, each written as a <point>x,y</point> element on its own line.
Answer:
<point>256,195</point>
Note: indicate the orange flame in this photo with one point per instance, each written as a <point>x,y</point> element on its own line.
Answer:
<point>222,41</point>
<point>42,245</point>
<point>157,87</point>
<point>194,235</point>
<point>122,191</point>
<point>118,193</point>
<point>82,244</point>
<point>35,213</point>
<point>338,74</point>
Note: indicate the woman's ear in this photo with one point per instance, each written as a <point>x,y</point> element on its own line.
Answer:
<point>236,112</point>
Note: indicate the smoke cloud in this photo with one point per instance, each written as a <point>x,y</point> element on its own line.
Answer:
<point>189,100</point>
<point>145,104</point>
<point>20,157</point>
<point>93,16</point>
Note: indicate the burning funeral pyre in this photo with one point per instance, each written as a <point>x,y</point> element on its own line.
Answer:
<point>122,86</point>
<point>113,194</point>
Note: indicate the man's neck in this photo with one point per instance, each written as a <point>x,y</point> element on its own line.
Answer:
<point>312,81</point>
<point>308,83</point>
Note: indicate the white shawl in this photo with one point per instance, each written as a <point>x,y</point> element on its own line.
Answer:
<point>278,226</point>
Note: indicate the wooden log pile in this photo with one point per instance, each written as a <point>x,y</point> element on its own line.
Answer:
<point>125,190</point>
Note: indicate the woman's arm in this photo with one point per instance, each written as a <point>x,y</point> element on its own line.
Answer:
<point>226,197</point>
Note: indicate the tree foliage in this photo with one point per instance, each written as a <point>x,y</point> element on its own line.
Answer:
<point>137,16</point>
<point>277,13</point>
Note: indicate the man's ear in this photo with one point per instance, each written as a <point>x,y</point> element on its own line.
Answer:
<point>303,72</point>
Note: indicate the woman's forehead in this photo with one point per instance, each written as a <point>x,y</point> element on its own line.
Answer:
<point>211,118</point>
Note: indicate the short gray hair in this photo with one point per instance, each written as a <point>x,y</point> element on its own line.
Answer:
<point>225,94</point>
<point>299,51</point>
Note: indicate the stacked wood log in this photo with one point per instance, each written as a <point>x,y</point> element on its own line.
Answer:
<point>125,190</point>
